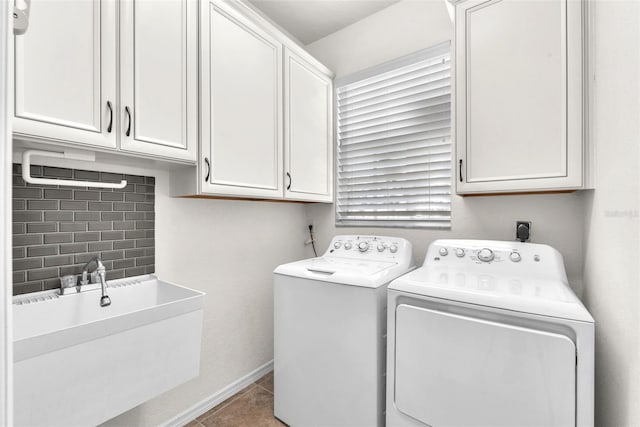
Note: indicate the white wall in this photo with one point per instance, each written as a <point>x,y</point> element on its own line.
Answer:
<point>404,28</point>
<point>6,318</point>
<point>612,229</point>
<point>227,249</point>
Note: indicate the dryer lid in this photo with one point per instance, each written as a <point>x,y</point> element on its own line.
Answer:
<point>526,294</point>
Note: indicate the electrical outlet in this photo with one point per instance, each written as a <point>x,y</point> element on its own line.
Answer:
<point>523,230</point>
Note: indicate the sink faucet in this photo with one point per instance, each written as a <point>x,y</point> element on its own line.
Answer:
<point>104,299</point>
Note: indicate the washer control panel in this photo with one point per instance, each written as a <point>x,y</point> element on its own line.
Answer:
<point>370,247</point>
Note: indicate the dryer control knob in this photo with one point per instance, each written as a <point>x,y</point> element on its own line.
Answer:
<point>393,249</point>
<point>459,252</point>
<point>443,252</point>
<point>486,255</point>
<point>363,246</point>
<point>347,245</point>
<point>515,257</point>
<point>337,245</point>
<point>381,248</point>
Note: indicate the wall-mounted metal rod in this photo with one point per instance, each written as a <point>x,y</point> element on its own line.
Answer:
<point>26,170</point>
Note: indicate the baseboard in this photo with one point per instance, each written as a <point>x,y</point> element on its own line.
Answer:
<point>218,397</point>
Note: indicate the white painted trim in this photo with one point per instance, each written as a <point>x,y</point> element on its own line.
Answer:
<point>218,397</point>
<point>6,115</point>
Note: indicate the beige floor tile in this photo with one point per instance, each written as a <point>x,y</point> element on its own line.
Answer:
<point>266,382</point>
<point>225,402</point>
<point>252,409</point>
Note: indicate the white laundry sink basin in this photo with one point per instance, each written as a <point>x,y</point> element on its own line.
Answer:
<point>76,363</point>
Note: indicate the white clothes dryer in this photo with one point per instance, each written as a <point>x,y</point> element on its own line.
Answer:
<point>330,332</point>
<point>488,333</point>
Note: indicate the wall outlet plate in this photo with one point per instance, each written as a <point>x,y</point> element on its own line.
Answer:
<point>523,231</point>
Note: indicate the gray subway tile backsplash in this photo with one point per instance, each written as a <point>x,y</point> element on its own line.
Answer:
<point>58,229</point>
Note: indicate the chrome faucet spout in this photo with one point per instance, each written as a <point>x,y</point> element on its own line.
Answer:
<point>102,273</point>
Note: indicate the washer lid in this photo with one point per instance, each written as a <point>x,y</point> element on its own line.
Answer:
<point>540,296</point>
<point>348,271</point>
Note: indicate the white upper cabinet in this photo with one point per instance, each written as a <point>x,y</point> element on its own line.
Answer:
<point>65,73</point>
<point>519,95</point>
<point>67,76</point>
<point>241,105</point>
<point>308,130</point>
<point>158,77</point>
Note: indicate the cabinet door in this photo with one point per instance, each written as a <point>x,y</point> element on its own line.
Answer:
<point>519,95</point>
<point>241,105</point>
<point>159,77</point>
<point>308,134</point>
<point>65,73</point>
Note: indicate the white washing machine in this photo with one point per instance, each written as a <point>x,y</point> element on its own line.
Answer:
<point>488,333</point>
<point>329,332</point>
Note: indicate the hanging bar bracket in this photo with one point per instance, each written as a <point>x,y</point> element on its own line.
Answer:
<point>26,170</point>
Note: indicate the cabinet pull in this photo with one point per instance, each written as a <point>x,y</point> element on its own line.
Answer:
<point>460,169</point>
<point>290,181</point>
<point>110,117</point>
<point>206,178</point>
<point>126,109</point>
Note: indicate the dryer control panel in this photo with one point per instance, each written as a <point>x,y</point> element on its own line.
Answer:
<point>496,257</point>
<point>370,247</point>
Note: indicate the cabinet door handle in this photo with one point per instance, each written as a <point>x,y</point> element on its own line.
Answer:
<point>110,116</point>
<point>460,169</point>
<point>206,178</point>
<point>128,132</point>
<point>290,181</point>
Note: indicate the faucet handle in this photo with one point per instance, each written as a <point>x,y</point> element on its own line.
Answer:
<point>84,280</point>
<point>68,281</point>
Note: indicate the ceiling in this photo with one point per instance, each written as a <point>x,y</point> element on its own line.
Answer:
<point>311,20</point>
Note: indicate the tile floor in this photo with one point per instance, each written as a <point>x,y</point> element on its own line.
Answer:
<point>251,407</point>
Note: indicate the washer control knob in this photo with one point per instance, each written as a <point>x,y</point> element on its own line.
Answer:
<point>381,248</point>
<point>363,246</point>
<point>486,255</point>
<point>337,245</point>
<point>347,245</point>
<point>443,252</point>
<point>393,249</point>
<point>515,257</point>
<point>460,252</point>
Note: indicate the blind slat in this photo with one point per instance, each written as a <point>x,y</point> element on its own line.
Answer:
<point>392,99</point>
<point>361,182</point>
<point>393,116</point>
<point>409,204</point>
<point>429,138</point>
<point>393,125</point>
<point>388,78</point>
<point>394,147</point>
<point>409,167</point>
<point>349,98</point>
<point>401,132</point>
<point>398,106</point>
<point>397,148</point>
<point>375,164</point>
<point>400,209</point>
<point>395,192</point>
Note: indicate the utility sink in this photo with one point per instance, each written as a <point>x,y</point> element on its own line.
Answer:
<point>77,363</point>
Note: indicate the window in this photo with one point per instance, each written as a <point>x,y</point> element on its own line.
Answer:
<point>394,143</point>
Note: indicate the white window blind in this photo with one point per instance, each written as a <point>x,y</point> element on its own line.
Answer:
<point>394,143</point>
